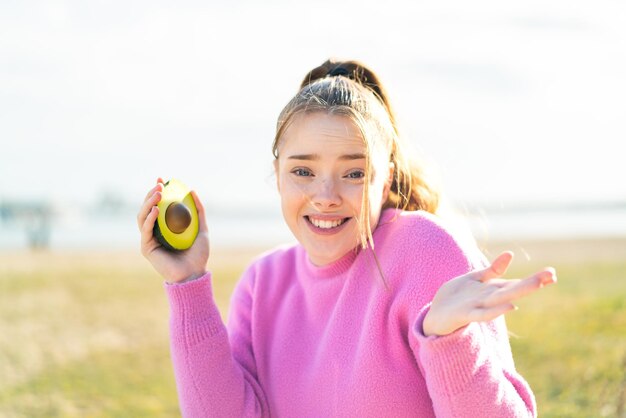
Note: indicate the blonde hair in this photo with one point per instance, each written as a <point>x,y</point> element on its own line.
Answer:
<point>348,88</point>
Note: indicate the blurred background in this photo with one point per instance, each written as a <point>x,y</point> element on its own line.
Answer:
<point>517,109</point>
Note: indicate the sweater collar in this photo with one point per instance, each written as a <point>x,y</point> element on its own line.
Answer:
<point>336,268</point>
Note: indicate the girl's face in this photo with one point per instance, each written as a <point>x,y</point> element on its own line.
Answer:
<point>320,173</point>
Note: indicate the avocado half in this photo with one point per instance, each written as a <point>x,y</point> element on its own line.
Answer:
<point>176,227</point>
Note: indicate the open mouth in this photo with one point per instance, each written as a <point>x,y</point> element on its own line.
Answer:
<point>326,224</point>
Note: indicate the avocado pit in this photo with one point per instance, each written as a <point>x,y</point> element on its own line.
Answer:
<point>177,217</point>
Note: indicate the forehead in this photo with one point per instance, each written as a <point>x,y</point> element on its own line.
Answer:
<point>321,133</point>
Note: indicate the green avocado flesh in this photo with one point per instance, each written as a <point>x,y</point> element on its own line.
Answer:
<point>176,226</point>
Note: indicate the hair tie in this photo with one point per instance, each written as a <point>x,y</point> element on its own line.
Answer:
<point>337,71</point>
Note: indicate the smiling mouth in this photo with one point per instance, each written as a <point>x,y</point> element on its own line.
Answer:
<point>326,224</point>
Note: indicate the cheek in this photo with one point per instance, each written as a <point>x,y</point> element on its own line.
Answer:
<point>356,195</point>
<point>352,198</point>
<point>378,188</point>
<point>376,192</point>
<point>291,194</point>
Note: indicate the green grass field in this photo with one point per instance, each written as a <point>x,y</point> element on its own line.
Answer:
<point>85,335</point>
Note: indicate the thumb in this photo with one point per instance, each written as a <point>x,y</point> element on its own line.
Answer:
<point>202,225</point>
<point>498,267</point>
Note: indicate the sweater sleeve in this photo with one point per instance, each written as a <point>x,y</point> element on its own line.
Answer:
<point>470,372</point>
<point>211,381</point>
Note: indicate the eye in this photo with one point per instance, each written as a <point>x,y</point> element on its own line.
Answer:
<point>302,172</point>
<point>356,175</point>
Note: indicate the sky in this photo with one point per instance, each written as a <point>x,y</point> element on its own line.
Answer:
<point>507,103</point>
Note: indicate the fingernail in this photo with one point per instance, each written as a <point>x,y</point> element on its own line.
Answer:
<point>549,279</point>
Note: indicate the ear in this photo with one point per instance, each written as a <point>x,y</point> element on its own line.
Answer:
<point>276,174</point>
<point>389,181</point>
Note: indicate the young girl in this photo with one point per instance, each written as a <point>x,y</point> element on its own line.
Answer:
<point>378,311</point>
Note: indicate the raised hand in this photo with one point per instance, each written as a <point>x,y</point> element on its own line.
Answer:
<point>480,295</point>
<point>179,266</point>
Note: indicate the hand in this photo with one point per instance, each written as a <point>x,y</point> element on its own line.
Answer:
<point>480,295</point>
<point>174,266</point>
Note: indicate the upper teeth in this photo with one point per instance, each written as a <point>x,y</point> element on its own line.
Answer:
<point>326,224</point>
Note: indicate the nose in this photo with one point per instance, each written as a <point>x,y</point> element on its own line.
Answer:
<point>326,195</point>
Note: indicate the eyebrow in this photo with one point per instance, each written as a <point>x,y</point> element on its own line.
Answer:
<point>315,157</point>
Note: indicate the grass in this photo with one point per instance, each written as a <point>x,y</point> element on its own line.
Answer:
<point>85,334</point>
<point>572,342</point>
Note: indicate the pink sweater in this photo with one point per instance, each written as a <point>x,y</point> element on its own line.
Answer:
<point>305,341</point>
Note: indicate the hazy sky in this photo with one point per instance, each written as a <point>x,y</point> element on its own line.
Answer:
<point>512,103</point>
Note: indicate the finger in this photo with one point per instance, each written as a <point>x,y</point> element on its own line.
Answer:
<point>497,268</point>
<point>158,187</point>
<point>147,207</point>
<point>490,313</point>
<point>499,282</point>
<point>517,288</point>
<point>148,226</point>
<point>202,224</point>
<point>548,276</point>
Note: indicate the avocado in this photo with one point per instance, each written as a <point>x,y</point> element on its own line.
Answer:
<point>176,226</point>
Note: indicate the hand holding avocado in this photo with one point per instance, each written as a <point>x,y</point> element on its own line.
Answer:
<point>174,234</point>
<point>177,224</point>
